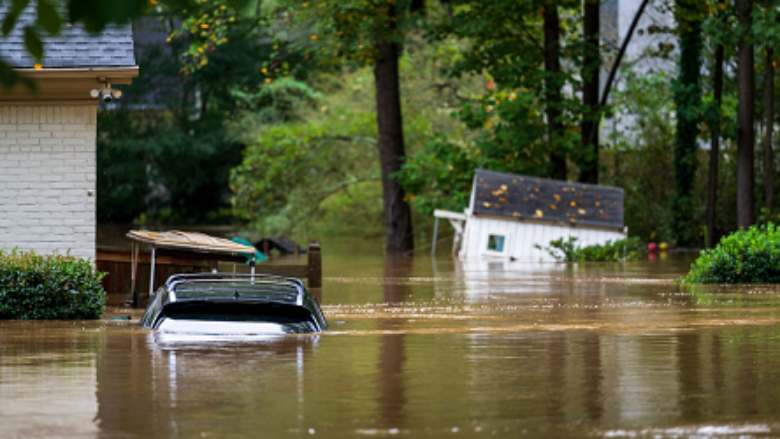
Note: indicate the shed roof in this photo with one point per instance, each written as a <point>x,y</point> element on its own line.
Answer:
<point>532,198</point>
<point>74,47</point>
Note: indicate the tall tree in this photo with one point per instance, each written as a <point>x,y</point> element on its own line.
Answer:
<point>552,67</point>
<point>745,115</point>
<point>398,215</point>
<point>591,66</point>
<point>370,32</point>
<point>687,94</point>
<point>769,124</point>
<point>714,124</point>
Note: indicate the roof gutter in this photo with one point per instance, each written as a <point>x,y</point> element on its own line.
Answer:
<point>66,86</point>
<point>120,73</point>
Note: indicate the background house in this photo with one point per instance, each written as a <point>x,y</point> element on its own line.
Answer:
<point>47,139</point>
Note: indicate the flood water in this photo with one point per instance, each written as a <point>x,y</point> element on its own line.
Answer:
<point>419,347</point>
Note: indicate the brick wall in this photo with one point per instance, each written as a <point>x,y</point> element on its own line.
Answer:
<point>47,179</point>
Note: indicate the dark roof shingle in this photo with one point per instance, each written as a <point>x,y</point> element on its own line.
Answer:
<point>74,47</point>
<point>523,197</point>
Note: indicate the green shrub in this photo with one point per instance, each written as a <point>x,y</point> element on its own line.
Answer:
<point>746,256</point>
<point>49,287</point>
<point>619,250</point>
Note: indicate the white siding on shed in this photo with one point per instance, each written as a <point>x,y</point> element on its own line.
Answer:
<point>47,178</point>
<point>521,237</point>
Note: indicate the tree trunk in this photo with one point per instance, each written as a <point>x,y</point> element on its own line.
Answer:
<point>398,215</point>
<point>769,87</point>
<point>745,117</point>
<point>589,172</point>
<point>418,6</point>
<point>552,66</point>
<point>687,97</point>
<point>714,125</point>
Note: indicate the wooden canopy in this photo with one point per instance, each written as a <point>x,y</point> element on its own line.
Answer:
<point>189,240</point>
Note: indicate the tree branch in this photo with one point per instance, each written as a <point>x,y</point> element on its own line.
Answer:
<point>455,90</point>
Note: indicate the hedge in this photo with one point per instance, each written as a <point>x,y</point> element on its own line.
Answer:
<point>746,256</point>
<point>61,287</point>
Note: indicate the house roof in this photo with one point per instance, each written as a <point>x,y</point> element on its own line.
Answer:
<point>539,199</point>
<point>74,47</point>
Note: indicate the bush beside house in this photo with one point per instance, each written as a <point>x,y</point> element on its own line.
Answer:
<point>567,250</point>
<point>35,287</point>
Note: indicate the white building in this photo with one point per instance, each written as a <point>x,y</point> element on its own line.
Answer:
<point>509,215</point>
<point>47,139</point>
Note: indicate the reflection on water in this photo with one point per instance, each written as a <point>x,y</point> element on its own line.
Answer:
<point>423,348</point>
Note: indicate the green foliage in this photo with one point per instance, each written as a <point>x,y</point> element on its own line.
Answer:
<point>562,249</point>
<point>638,156</point>
<point>172,163</point>
<point>285,100</point>
<point>745,256</point>
<point>349,30</point>
<point>122,168</point>
<point>620,250</point>
<point>319,173</point>
<point>290,169</point>
<point>49,287</point>
<point>497,46</point>
<point>440,175</point>
<point>206,25</point>
<point>150,162</point>
<point>504,44</point>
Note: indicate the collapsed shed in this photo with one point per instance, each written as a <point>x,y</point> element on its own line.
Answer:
<point>509,215</point>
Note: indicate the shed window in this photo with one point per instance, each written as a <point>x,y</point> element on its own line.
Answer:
<point>496,243</point>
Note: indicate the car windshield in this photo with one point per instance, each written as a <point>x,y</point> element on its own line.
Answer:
<point>237,312</point>
<point>271,291</point>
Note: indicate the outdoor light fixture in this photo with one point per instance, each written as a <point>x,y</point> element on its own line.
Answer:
<point>108,94</point>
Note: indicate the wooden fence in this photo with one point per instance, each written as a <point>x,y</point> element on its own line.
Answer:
<point>117,263</point>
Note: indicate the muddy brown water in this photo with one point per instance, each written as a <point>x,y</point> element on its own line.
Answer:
<point>425,348</point>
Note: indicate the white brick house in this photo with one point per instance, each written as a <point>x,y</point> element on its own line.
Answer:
<point>47,140</point>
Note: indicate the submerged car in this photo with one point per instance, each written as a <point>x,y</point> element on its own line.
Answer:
<point>233,304</point>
